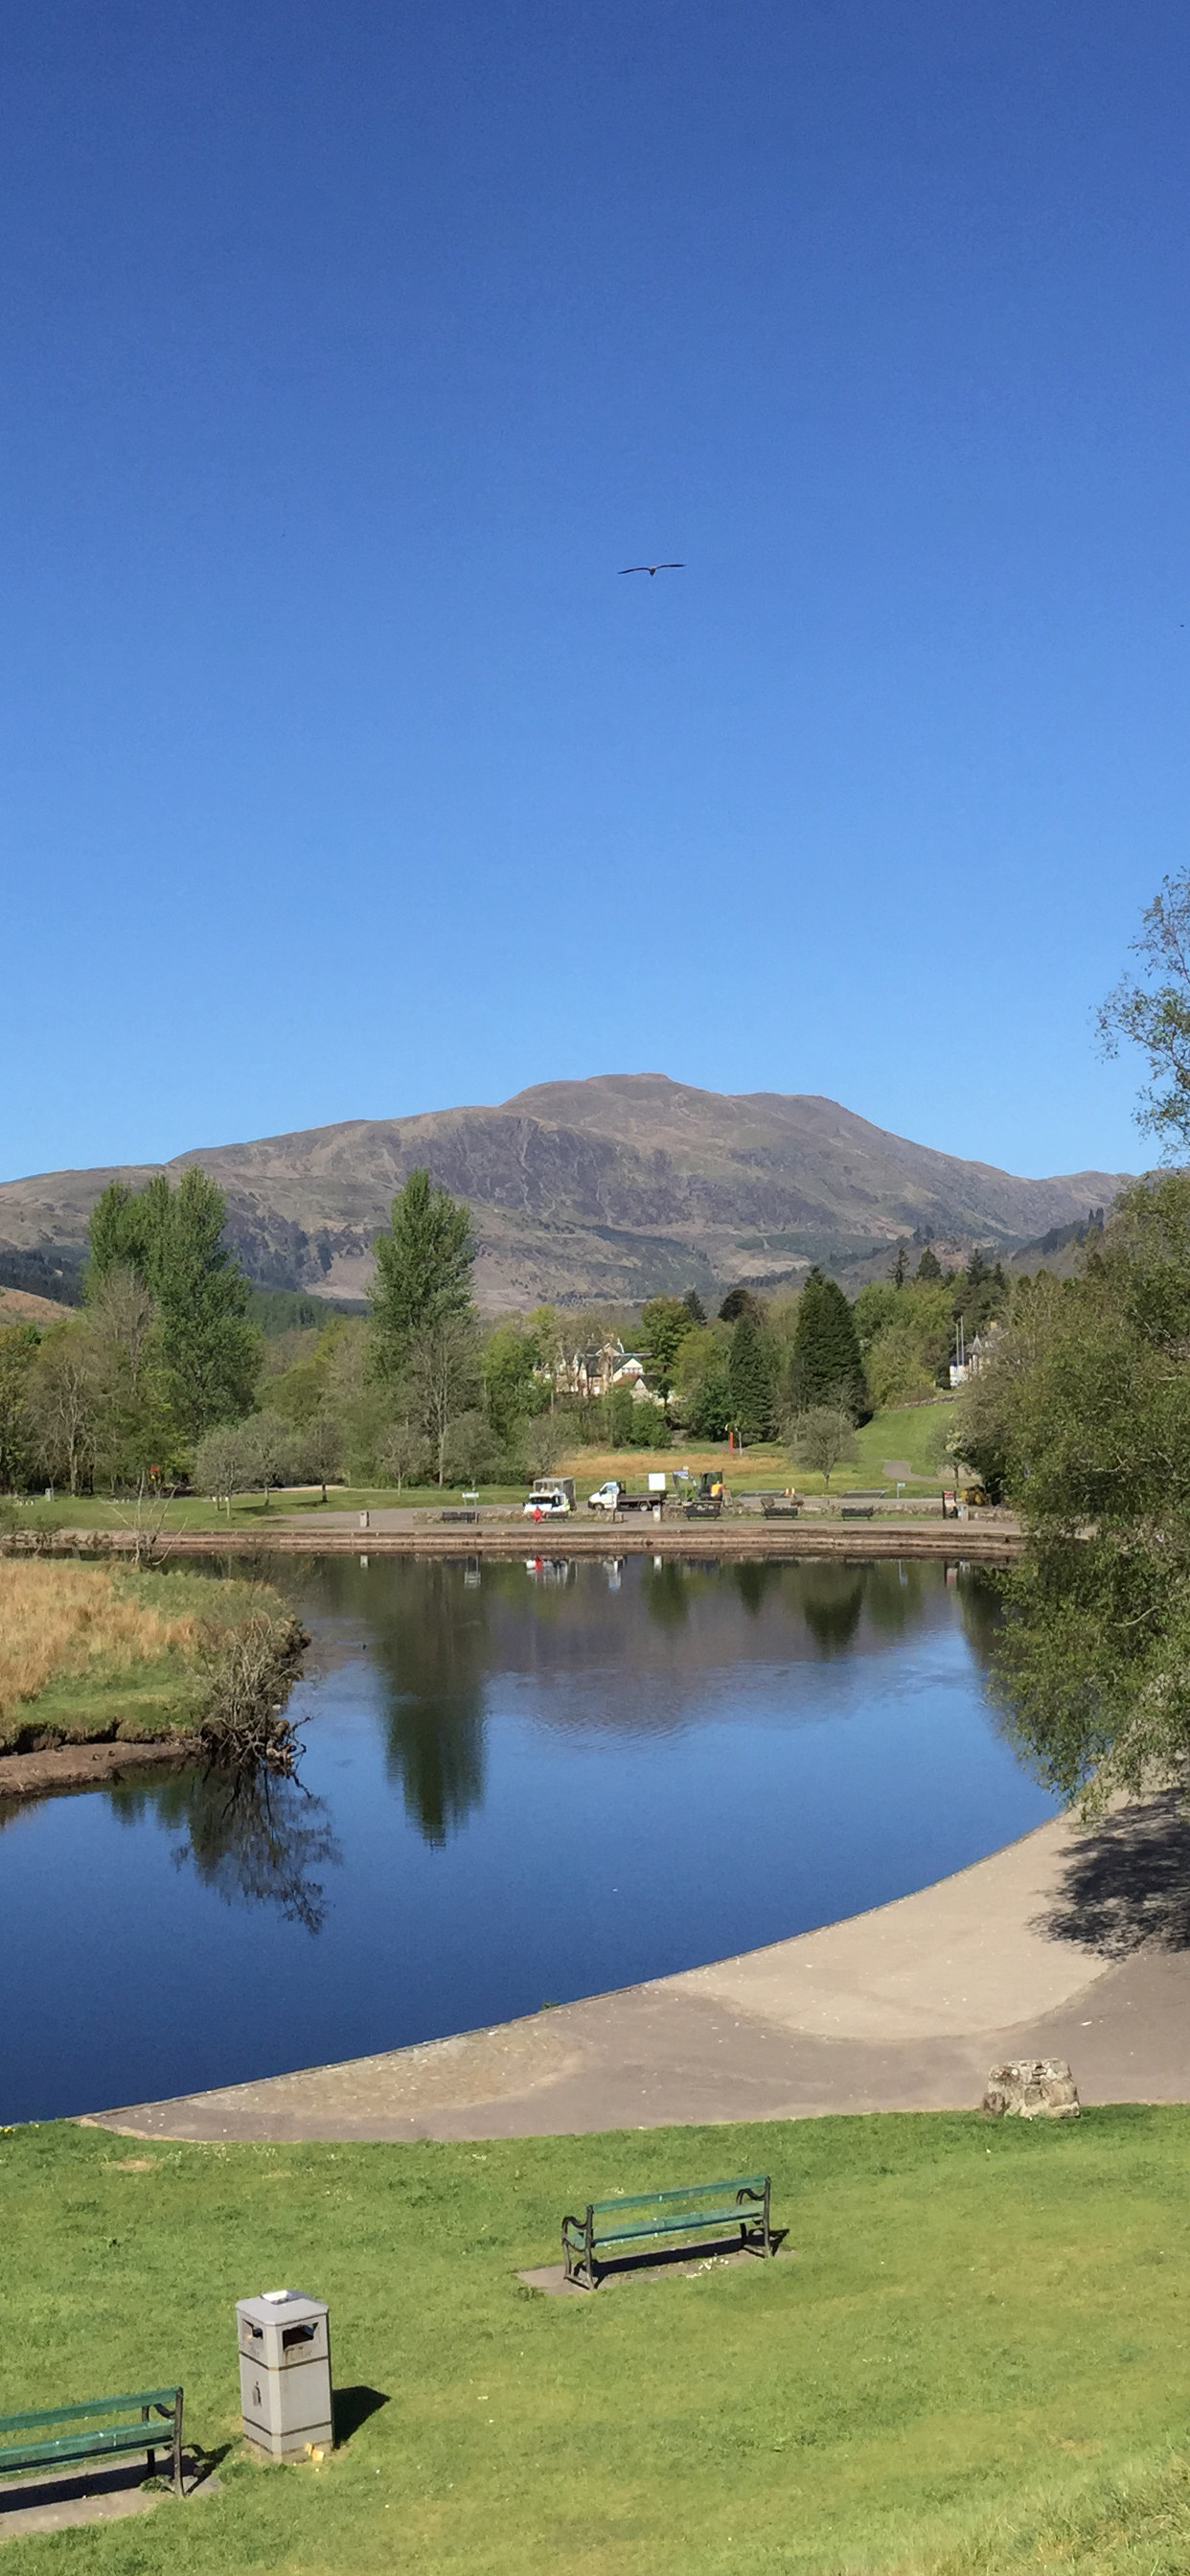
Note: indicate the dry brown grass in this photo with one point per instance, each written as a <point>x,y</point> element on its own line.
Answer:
<point>57,1619</point>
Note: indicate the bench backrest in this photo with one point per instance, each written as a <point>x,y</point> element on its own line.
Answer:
<point>684,2193</point>
<point>41,2415</point>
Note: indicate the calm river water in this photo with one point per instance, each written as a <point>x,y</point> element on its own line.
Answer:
<point>520,1784</point>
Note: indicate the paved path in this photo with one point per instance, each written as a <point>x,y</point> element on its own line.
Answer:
<point>1064,1945</point>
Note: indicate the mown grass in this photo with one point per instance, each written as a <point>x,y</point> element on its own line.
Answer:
<point>971,2356</point>
<point>910,1433</point>
<point>109,1652</point>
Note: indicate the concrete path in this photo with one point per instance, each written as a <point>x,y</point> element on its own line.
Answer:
<point>1066,1944</point>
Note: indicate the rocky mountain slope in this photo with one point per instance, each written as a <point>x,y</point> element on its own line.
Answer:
<point>609,1189</point>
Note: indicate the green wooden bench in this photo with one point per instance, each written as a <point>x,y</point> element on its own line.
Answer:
<point>742,2202</point>
<point>152,2422</point>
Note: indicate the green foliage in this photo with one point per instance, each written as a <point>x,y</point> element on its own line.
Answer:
<point>826,1367</point>
<point>19,1344</point>
<point>666,1323</point>
<point>929,1268</point>
<point>511,1392</point>
<point>694,1306</point>
<point>171,1241</point>
<point>824,1438</point>
<point>740,1301</point>
<point>1086,1411</point>
<point>288,1310</point>
<point>1154,1014</point>
<point>423,1270</point>
<point>752,1379</point>
<point>876,1306</point>
<point>965,2362</point>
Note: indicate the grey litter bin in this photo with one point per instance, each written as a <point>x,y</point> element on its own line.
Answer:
<point>285,2372</point>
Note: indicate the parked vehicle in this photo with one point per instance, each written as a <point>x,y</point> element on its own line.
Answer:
<point>551,1498</point>
<point>615,1497</point>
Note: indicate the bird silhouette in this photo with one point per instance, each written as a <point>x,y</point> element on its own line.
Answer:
<point>651,568</point>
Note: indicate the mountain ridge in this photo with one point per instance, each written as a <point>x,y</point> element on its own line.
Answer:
<point>603,1189</point>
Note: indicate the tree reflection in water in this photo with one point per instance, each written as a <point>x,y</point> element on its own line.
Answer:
<point>832,1604</point>
<point>428,1640</point>
<point>254,1839</point>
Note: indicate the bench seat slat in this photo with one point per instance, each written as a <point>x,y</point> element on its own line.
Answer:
<point>155,2436</point>
<point>95,2406</point>
<point>738,2215</point>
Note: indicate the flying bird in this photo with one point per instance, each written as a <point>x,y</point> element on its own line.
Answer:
<point>650,568</point>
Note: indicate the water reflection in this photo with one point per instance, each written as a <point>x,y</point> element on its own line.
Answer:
<point>428,1642</point>
<point>438,1634</point>
<point>252,1838</point>
<point>747,1751</point>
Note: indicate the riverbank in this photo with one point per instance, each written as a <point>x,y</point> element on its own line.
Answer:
<point>987,1537</point>
<point>1065,1944</point>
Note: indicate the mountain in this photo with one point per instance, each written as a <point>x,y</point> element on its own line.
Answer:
<point>586,1192</point>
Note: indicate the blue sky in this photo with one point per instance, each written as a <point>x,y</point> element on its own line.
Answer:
<point>346,354</point>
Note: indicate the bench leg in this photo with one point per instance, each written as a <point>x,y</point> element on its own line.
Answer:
<point>179,2489</point>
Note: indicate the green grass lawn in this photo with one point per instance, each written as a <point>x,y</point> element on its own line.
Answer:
<point>972,2358</point>
<point>911,1432</point>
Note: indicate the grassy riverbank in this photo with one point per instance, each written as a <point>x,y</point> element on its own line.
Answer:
<point>908,1438</point>
<point>971,2359</point>
<point>106,1652</point>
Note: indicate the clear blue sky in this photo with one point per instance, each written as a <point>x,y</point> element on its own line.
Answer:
<point>348,351</point>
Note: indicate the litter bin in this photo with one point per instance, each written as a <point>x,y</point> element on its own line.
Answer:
<point>285,2372</point>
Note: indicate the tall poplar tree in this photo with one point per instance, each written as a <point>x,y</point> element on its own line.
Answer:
<point>172,1241</point>
<point>423,1270</point>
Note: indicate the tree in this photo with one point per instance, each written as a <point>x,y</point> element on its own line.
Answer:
<point>1091,1422</point>
<point>665,1323</point>
<point>223,1464</point>
<point>826,1368</point>
<point>752,1380</point>
<point>133,1430</point>
<point>824,1438</point>
<point>267,1446</point>
<point>423,1270</point>
<point>19,1344</point>
<point>929,1268</point>
<point>1153,1013</point>
<point>899,1267</point>
<point>172,1241</point>
<point>318,1449</point>
<point>511,1389</point>
<point>740,1301</point>
<point>403,1454</point>
<point>694,1306</point>
<point>545,1442</point>
<point>442,1379</point>
<point>62,1405</point>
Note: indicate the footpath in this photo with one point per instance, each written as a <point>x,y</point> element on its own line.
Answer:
<point>1067,1944</point>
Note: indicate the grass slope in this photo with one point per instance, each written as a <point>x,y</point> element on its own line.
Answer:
<point>973,2358</point>
<point>106,1652</point>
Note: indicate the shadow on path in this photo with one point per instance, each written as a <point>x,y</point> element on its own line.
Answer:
<point>1126,1886</point>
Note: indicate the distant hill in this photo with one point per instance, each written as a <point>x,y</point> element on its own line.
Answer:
<point>600,1191</point>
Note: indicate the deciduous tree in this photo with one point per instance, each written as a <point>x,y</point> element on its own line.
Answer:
<point>423,1271</point>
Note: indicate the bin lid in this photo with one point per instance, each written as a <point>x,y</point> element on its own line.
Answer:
<point>281,2307</point>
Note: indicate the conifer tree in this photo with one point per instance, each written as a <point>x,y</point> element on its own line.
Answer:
<point>929,1268</point>
<point>752,1379</point>
<point>826,1368</point>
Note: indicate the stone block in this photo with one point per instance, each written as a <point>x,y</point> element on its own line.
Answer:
<point>1034,2088</point>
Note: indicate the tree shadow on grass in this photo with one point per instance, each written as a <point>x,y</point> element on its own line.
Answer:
<point>1127,1883</point>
